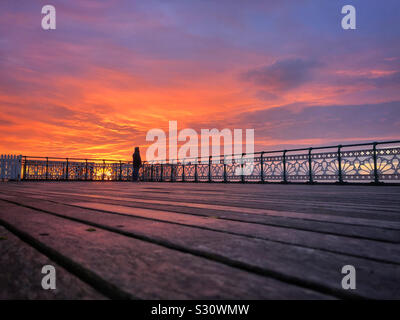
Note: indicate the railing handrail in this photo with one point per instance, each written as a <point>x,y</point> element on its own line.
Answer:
<point>233,155</point>
<point>78,159</point>
<point>278,151</point>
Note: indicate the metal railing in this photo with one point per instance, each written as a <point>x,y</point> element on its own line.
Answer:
<point>366,162</point>
<point>75,169</point>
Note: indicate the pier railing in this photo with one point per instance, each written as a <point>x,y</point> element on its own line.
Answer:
<point>366,162</point>
<point>48,168</point>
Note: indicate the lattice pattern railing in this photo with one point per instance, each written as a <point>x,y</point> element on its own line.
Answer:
<point>368,162</point>
<point>37,168</point>
<point>362,163</point>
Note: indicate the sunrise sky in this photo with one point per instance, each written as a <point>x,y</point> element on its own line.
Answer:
<point>112,70</point>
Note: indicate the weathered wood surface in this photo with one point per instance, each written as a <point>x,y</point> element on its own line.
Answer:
<point>20,274</point>
<point>185,240</point>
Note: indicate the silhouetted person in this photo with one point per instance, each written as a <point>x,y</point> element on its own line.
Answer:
<point>136,164</point>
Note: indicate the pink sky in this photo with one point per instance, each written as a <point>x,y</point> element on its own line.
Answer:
<point>113,70</point>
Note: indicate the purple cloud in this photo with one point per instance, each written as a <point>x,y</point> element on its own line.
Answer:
<point>282,75</point>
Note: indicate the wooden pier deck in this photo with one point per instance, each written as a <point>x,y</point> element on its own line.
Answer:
<point>198,241</point>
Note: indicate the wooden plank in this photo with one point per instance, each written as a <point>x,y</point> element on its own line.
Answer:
<point>379,251</point>
<point>20,274</point>
<point>297,197</point>
<point>353,196</point>
<point>375,250</point>
<point>379,219</point>
<point>324,227</point>
<point>361,196</point>
<point>308,267</point>
<point>296,215</point>
<point>146,270</point>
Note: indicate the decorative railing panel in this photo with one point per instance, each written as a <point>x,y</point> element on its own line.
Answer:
<point>388,164</point>
<point>325,166</point>
<point>297,168</point>
<point>202,172</point>
<point>273,168</point>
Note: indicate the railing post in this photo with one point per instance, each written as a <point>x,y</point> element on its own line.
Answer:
<point>19,167</point>
<point>2,161</point>
<point>209,168</point>
<point>262,167</point>
<point>225,175</point>
<point>120,170</point>
<point>340,174</point>
<point>284,166</point>
<point>151,172</point>
<point>310,176</point>
<point>104,168</point>
<point>66,171</point>
<point>86,169</point>
<point>242,166</point>
<point>162,172</point>
<point>183,171</point>
<point>24,168</point>
<point>195,173</point>
<point>376,176</point>
<point>47,167</point>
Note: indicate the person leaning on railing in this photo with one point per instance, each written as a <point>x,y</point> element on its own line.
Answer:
<point>136,164</point>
